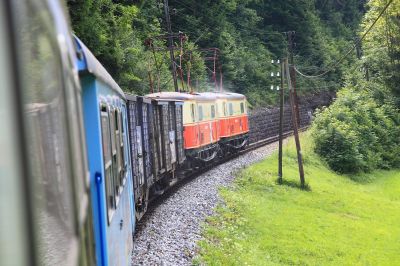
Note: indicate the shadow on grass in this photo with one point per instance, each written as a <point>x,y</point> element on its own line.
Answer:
<point>293,184</point>
<point>361,178</point>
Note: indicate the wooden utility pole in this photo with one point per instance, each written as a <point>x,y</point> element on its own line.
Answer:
<point>171,44</point>
<point>281,64</point>
<point>181,39</point>
<point>295,128</point>
<point>281,103</point>
<point>292,73</point>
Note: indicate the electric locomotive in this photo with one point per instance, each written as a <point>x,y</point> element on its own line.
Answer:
<point>200,123</point>
<point>233,121</point>
<point>214,124</point>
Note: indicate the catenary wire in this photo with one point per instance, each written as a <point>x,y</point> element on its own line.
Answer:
<point>349,51</point>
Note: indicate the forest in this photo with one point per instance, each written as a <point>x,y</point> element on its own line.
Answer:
<point>355,44</point>
<point>248,33</point>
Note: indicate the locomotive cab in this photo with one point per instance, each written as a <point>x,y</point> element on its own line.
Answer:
<point>233,121</point>
<point>200,120</point>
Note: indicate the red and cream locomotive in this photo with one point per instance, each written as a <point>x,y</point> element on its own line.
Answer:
<point>214,124</point>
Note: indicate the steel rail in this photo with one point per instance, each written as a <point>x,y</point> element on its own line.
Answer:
<point>156,200</point>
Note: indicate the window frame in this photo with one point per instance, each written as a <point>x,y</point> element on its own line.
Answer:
<point>117,143</point>
<point>230,109</point>
<point>124,162</point>
<point>114,154</point>
<point>225,109</point>
<point>212,111</point>
<point>193,112</point>
<point>111,197</point>
<point>200,111</point>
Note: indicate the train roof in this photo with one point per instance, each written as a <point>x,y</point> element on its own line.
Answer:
<point>228,95</point>
<point>198,96</point>
<point>88,62</point>
<point>181,96</point>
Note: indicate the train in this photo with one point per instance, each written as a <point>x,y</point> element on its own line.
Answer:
<point>81,158</point>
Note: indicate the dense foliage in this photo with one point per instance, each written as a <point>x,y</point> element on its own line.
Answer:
<point>249,34</point>
<point>357,133</point>
<point>116,31</point>
<point>360,131</point>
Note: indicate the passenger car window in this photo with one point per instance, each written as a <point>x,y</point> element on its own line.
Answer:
<point>107,158</point>
<point>230,109</point>
<point>114,153</point>
<point>105,131</point>
<point>225,111</point>
<point>242,108</point>
<point>192,112</point>
<point>123,156</point>
<point>212,111</point>
<point>118,159</point>
<point>200,113</point>
<point>112,132</point>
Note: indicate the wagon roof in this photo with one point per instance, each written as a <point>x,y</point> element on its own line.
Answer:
<point>131,97</point>
<point>90,64</point>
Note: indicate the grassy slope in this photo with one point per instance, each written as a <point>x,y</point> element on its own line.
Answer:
<point>338,222</point>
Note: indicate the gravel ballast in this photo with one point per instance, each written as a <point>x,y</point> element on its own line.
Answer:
<point>169,232</point>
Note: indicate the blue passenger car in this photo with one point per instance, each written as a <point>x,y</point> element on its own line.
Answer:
<point>106,125</point>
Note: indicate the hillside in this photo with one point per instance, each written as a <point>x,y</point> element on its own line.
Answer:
<point>248,33</point>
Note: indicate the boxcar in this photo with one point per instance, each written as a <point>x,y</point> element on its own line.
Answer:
<point>167,134</point>
<point>105,116</point>
<point>140,134</point>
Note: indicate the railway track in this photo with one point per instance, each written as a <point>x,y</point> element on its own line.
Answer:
<point>157,200</point>
<point>168,233</point>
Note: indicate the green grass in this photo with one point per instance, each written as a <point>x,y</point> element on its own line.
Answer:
<point>341,220</point>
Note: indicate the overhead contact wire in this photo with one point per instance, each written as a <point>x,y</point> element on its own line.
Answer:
<point>350,50</point>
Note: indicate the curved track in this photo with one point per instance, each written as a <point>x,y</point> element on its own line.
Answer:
<point>168,232</point>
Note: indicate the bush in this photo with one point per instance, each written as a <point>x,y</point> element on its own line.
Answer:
<point>356,133</point>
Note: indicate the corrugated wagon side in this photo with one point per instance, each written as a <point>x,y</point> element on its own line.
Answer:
<point>178,123</point>
<point>139,114</point>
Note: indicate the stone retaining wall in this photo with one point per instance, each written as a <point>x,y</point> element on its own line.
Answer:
<point>264,122</point>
